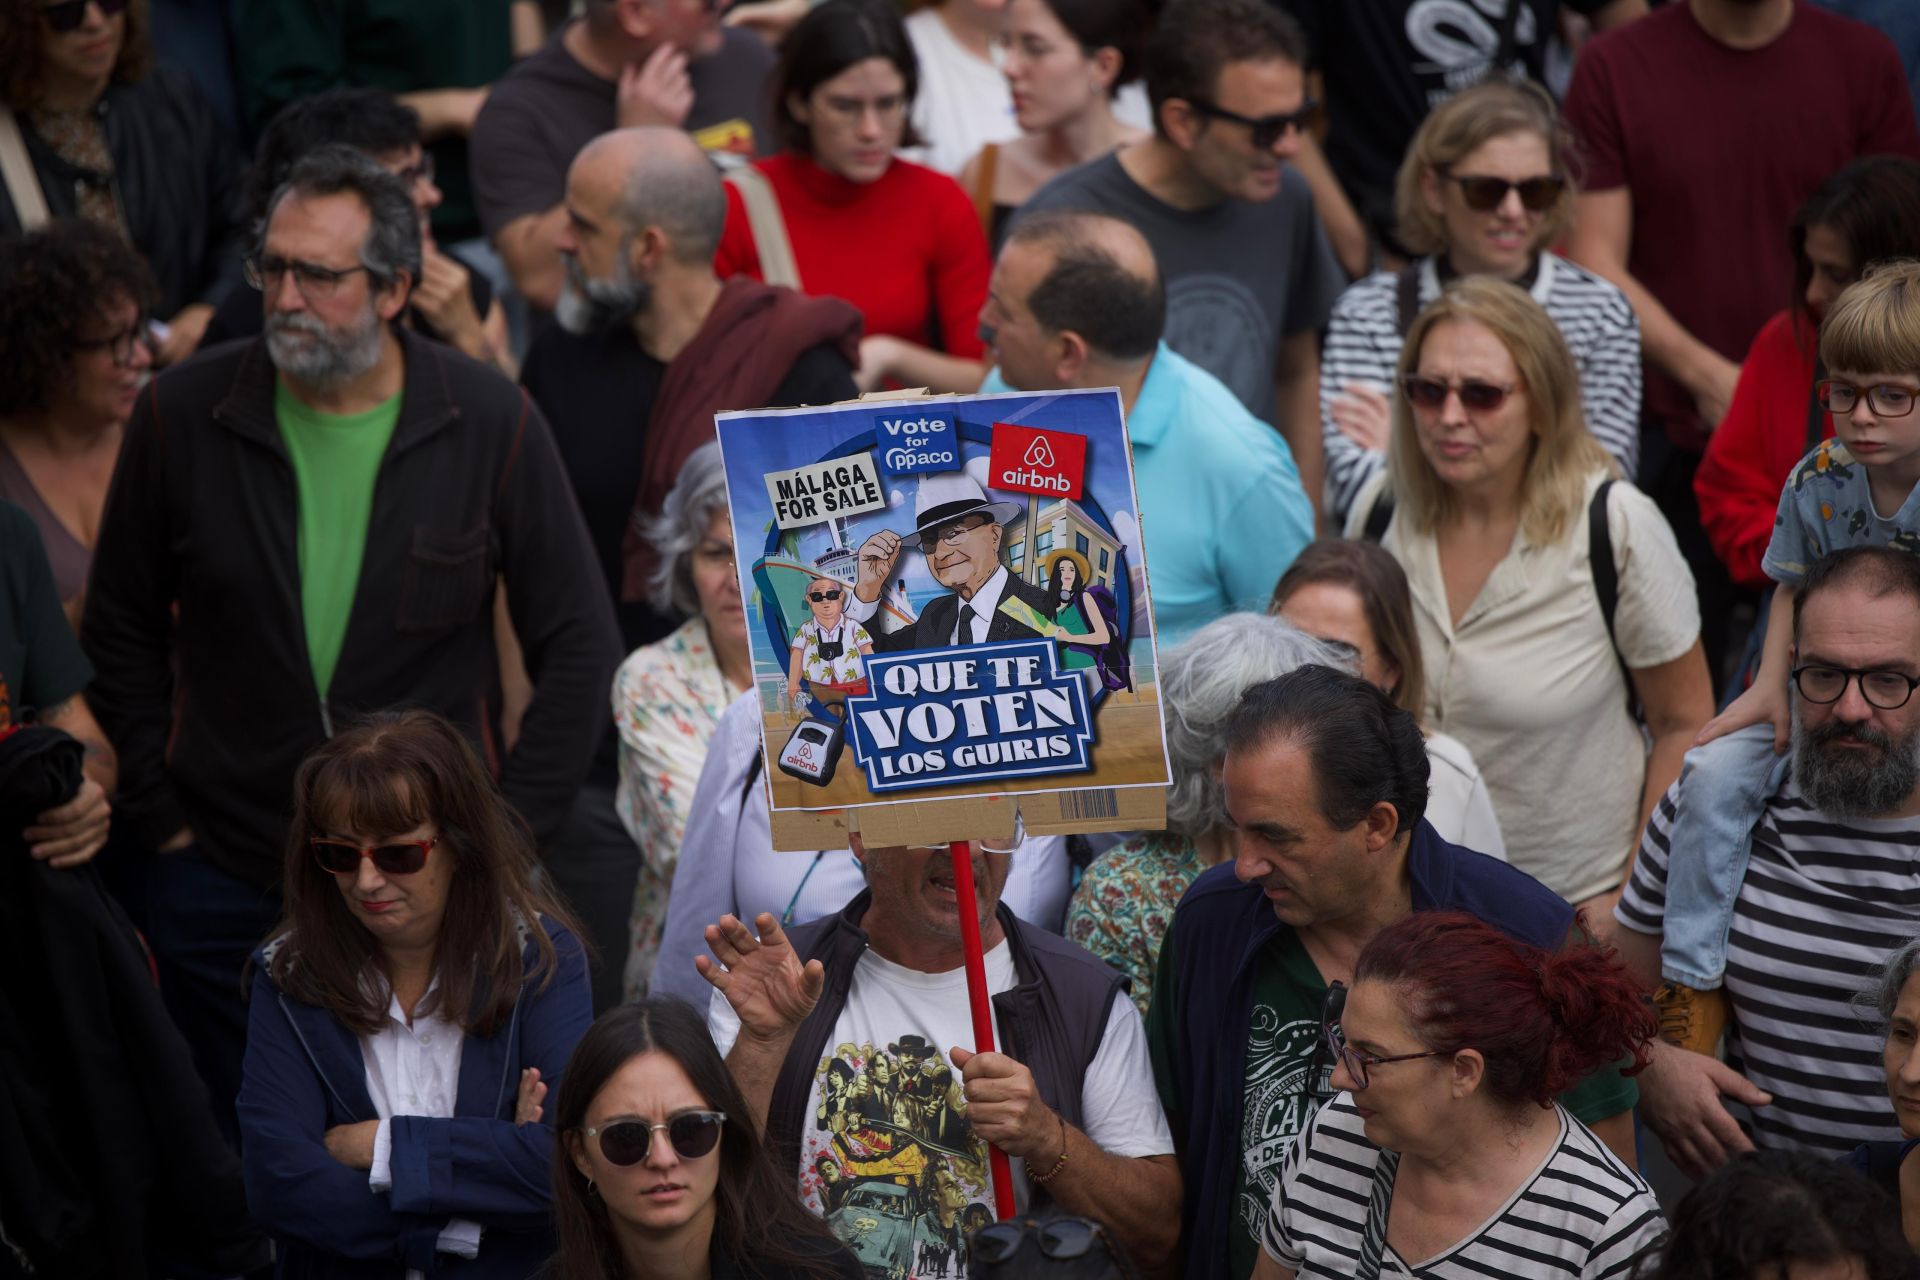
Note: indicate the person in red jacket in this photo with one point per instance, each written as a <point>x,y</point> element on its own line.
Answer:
<point>837,214</point>
<point>1868,211</point>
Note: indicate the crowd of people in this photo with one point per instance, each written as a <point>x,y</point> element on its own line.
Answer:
<point>1521,402</point>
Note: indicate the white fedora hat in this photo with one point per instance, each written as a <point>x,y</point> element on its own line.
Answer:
<point>946,496</point>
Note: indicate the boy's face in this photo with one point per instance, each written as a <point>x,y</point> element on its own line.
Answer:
<point>1881,429</point>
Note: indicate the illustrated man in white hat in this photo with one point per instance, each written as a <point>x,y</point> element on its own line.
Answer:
<point>960,532</point>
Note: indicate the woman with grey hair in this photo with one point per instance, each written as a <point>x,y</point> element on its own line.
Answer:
<point>1895,1001</point>
<point>1126,899</point>
<point>668,696</point>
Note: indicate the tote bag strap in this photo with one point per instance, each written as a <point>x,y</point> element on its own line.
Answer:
<point>16,170</point>
<point>777,264</point>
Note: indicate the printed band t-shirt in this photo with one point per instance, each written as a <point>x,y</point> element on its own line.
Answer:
<point>336,458</point>
<point>887,1154</point>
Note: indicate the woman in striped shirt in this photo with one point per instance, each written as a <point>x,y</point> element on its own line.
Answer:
<point>1483,191</point>
<point>1447,1157</point>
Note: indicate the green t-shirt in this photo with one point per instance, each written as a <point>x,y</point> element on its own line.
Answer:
<point>1288,994</point>
<point>336,459</point>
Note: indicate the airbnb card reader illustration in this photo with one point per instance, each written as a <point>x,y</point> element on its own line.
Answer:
<point>813,750</point>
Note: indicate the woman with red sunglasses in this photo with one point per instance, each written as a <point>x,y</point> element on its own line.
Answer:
<point>419,997</point>
<point>1549,595</point>
<point>660,1173</point>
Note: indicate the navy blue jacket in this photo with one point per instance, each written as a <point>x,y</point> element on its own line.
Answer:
<point>304,1074</point>
<point>1220,932</point>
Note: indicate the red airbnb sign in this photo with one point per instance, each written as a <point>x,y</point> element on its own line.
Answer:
<point>1029,460</point>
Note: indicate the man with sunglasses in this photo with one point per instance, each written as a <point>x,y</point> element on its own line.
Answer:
<point>309,527</point>
<point>1326,786</point>
<point>1249,277</point>
<point>1821,885</point>
<point>861,994</point>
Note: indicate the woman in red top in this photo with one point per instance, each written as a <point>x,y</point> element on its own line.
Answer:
<point>1868,211</point>
<point>842,215</point>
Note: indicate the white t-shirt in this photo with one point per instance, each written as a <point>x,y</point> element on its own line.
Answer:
<point>963,103</point>
<point>1530,684</point>
<point>886,1111</point>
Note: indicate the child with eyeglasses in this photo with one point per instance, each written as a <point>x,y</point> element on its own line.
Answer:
<point>1860,488</point>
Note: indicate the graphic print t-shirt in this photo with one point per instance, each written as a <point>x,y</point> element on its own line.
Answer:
<point>888,1156</point>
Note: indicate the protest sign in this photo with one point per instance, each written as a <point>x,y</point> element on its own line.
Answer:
<point>947,600</point>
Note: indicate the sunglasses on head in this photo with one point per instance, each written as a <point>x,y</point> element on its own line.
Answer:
<point>69,14</point>
<point>401,858</point>
<point>1476,396</point>
<point>1484,193</point>
<point>820,596</point>
<point>625,1143</point>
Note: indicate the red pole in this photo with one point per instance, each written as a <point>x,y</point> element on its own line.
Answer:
<point>978,1003</point>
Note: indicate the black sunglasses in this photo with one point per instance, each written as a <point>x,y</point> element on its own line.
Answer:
<point>1264,131</point>
<point>1484,193</point>
<point>69,14</point>
<point>625,1143</point>
<point>1059,1238</point>
<point>1476,396</point>
<point>819,596</point>
<point>401,858</point>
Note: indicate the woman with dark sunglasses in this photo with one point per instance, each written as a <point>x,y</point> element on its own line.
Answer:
<point>1445,1152</point>
<point>1483,190</point>
<point>660,1173</point>
<point>107,137</point>
<point>1549,594</point>
<point>407,1018</point>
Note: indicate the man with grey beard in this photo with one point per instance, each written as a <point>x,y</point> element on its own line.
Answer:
<point>1830,887</point>
<point>649,346</point>
<point>306,528</point>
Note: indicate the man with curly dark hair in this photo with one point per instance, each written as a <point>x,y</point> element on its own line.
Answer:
<point>74,343</point>
<point>132,149</point>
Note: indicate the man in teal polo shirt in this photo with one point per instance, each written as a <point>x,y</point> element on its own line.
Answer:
<point>1077,301</point>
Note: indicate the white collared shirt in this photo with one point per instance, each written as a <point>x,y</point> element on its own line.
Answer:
<point>413,1069</point>
<point>984,602</point>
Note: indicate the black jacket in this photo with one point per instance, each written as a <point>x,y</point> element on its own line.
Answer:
<point>176,177</point>
<point>935,623</point>
<point>212,712</point>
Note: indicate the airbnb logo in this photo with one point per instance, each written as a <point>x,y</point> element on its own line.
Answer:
<point>1031,460</point>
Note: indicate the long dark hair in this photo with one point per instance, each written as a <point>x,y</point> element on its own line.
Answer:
<point>1054,582</point>
<point>831,38</point>
<point>1769,1209</point>
<point>1369,571</point>
<point>392,772</point>
<point>757,1211</point>
<point>1872,204</point>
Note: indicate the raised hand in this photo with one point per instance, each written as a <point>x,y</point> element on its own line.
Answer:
<point>762,978</point>
<point>658,91</point>
<point>528,1107</point>
<point>878,555</point>
<point>1363,415</point>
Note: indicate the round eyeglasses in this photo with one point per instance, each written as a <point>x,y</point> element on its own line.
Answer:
<point>1887,690</point>
<point>625,1143</point>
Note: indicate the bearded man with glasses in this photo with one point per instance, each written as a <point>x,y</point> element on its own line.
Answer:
<point>308,527</point>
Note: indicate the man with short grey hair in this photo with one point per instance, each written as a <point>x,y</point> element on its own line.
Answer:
<point>650,345</point>
<point>305,528</point>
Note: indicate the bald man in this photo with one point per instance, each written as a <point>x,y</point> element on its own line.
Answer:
<point>1077,301</point>
<point>649,346</point>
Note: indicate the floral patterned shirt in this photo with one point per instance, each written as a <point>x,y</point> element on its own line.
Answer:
<point>1125,903</point>
<point>844,668</point>
<point>667,701</point>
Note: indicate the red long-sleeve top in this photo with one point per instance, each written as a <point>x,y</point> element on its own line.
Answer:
<point>1757,443</point>
<point>906,249</point>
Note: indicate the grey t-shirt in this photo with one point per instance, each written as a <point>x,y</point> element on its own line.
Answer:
<point>540,114</point>
<point>1240,276</point>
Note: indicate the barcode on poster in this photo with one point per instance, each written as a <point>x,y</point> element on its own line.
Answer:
<point>1081,805</point>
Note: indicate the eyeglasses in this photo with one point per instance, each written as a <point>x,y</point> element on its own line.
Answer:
<point>422,171</point>
<point>1887,399</point>
<point>1356,1060</point>
<point>401,858</point>
<point>1060,1238</point>
<point>625,1143</point>
<point>1263,131</point>
<point>69,14</point>
<point>819,597</point>
<point>891,109</point>
<point>952,533</point>
<point>1887,690</point>
<point>121,345</point>
<point>1484,193</point>
<point>265,271</point>
<point>1476,395</point>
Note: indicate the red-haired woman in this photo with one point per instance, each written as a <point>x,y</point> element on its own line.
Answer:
<point>1446,1145</point>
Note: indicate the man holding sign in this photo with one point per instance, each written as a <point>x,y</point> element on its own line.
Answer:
<point>960,533</point>
<point>842,1035</point>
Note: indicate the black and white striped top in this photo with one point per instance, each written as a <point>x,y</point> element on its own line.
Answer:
<point>1363,345</point>
<point>1823,902</point>
<point>1581,1213</point>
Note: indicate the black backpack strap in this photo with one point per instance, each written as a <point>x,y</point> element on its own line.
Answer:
<point>1816,414</point>
<point>1379,516</point>
<point>1606,574</point>
<point>1406,296</point>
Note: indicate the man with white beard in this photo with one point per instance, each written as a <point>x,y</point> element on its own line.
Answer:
<point>307,527</point>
